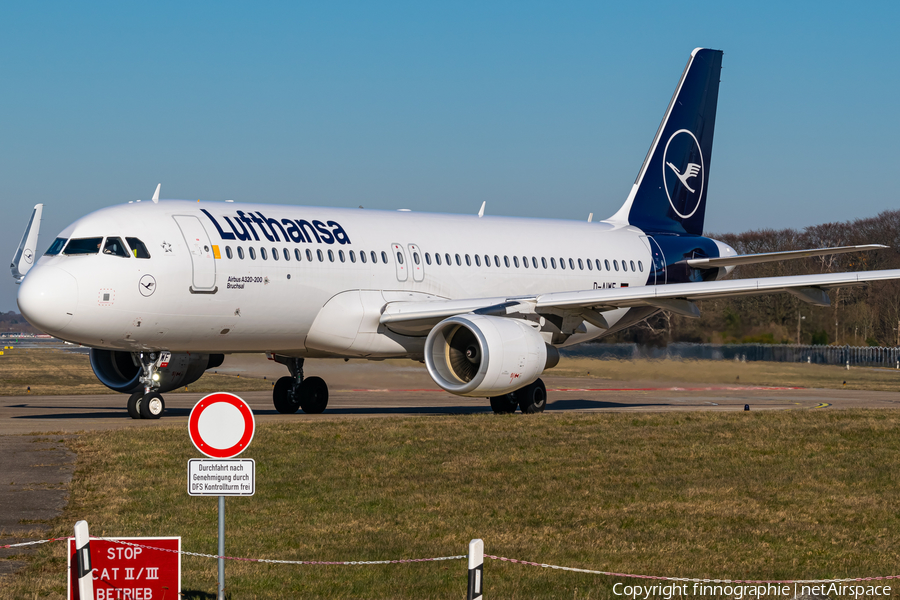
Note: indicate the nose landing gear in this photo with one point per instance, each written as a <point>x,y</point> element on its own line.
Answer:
<point>290,393</point>
<point>147,403</point>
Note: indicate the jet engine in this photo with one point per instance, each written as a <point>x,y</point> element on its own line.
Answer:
<point>478,355</point>
<point>121,371</point>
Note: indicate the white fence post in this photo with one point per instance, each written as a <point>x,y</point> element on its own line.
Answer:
<point>476,570</point>
<point>83,560</point>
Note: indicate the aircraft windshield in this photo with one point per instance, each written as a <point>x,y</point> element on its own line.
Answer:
<point>115,247</point>
<point>83,246</point>
<point>138,249</point>
<point>55,247</point>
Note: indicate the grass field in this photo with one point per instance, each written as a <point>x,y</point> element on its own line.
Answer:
<point>793,494</point>
<point>54,372</point>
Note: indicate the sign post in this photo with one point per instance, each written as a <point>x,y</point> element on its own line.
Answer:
<point>221,426</point>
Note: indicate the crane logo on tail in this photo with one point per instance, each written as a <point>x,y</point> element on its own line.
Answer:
<point>683,173</point>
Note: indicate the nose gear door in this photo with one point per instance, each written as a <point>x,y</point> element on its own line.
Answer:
<point>203,262</point>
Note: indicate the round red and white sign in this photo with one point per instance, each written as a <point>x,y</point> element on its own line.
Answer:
<point>221,425</point>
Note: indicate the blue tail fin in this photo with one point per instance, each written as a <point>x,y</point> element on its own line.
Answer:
<point>669,194</point>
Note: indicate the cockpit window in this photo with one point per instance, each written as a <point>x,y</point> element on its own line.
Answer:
<point>115,247</point>
<point>55,247</point>
<point>138,249</point>
<point>83,246</point>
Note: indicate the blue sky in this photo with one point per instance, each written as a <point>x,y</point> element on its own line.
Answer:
<point>542,109</point>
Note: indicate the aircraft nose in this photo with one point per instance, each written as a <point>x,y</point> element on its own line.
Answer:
<point>47,298</point>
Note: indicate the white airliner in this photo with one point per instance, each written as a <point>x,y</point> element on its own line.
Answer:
<point>162,290</point>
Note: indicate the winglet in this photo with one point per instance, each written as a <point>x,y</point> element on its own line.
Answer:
<point>156,193</point>
<point>26,253</point>
<point>481,210</point>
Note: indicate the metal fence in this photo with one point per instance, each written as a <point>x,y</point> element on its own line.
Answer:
<point>821,355</point>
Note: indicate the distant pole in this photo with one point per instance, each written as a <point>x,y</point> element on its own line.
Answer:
<point>476,570</point>
<point>221,594</point>
<point>83,560</point>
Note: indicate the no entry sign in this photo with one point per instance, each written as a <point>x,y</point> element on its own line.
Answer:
<point>221,425</point>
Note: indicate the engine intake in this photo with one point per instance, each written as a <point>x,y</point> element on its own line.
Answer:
<point>121,371</point>
<point>478,355</point>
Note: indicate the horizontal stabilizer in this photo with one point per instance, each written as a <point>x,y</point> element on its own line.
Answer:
<point>750,259</point>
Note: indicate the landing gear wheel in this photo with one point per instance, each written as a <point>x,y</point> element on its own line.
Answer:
<point>533,398</point>
<point>134,404</point>
<point>152,406</point>
<point>504,404</point>
<point>284,396</point>
<point>313,395</point>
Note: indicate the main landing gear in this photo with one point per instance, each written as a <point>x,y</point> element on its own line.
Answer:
<point>531,399</point>
<point>147,403</point>
<point>291,393</point>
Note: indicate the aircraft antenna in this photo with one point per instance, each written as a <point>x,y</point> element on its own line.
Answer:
<point>156,193</point>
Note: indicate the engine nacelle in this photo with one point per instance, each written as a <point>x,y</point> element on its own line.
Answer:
<point>477,355</point>
<point>121,371</point>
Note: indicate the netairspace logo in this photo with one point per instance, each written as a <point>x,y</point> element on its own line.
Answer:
<point>749,591</point>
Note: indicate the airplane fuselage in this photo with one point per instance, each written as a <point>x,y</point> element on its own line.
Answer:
<point>309,281</point>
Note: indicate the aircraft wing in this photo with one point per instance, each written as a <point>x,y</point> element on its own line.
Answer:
<point>677,297</point>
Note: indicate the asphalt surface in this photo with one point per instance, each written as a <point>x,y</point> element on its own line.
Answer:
<point>36,465</point>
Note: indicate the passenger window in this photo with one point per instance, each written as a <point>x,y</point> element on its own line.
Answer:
<point>447,259</point>
<point>506,261</point>
<point>590,265</point>
<point>606,262</point>
<point>458,262</point>
<point>55,247</point>
<point>534,261</point>
<point>287,255</point>
<point>562,264</point>
<point>309,255</point>
<point>138,249</point>
<point>228,252</point>
<point>331,255</point>
<point>496,260</point>
<point>525,261</point>
<point>580,265</point>
<point>437,258</point>
<point>362,256</point>
<point>597,261</point>
<point>83,246</point>
<point>640,266</point>
<point>341,256</point>
<point>516,261</point>
<point>240,252</point>
<point>468,260</point>
<point>632,265</point>
<point>320,256</point>
<point>274,253</point>
<point>624,266</point>
<point>552,262</point>
<point>383,256</point>
<point>616,265</point>
<point>263,254</point>
<point>252,253</point>
<point>544,262</point>
<point>427,259</point>
<point>416,258</point>
<point>477,260</point>
<point>352,256</point>
<point>297,254</point>
<point>399,258</point>
<point>115,247</point>
<point>375,258</point>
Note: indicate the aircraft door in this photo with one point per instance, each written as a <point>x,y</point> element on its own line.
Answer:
<point>203,262</point>
<point>400,260</point>
<point>417,264</point>
<point>658,269</point>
